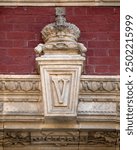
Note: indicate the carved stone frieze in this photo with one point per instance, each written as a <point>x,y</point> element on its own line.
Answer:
<point>97,84</point>
<point>98,113</point>
<point>20,88</point>
<point>20,85</point>
<point>91,102</point>
<point>60,138</point>
<point>16,138</point>
<point>108,138</point>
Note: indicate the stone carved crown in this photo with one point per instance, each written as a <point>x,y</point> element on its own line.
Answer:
<point>61,36</point>
<point>60,30</point>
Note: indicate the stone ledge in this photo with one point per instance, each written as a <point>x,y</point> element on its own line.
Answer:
<point>60,3</point>
<point>23,126</point>
<point>20,96</point>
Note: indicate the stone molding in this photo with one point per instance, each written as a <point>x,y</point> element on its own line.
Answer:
<point>98,97</point>
<point>60,3</point>
<point>23,126</point>
<point>56,138</point>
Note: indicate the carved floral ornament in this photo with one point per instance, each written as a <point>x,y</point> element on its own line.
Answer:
<point>61,138</point>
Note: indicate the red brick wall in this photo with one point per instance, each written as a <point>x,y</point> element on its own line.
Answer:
<point>20,32</point>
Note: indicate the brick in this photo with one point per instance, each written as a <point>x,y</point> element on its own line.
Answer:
<point>69,11</point>
<point>3,52</point>
<point>34,11</point>
<point>6,27</point>
<point>98,18</point>
<point>20,43</point>
<point>7,11</point>
<point>100,10</point>
<point>102,69</point>
<point>21,60</point>
<point>89,69</point>
<point>20,32</point>
<point>6,43</point>
<point>35,27</point>
<point>114,52</point>
<point>113,18</point>
<point>102,60</point>
<point>115,69</point>
<point>19,69</point>
<point>32,44</point>
<point>6,60</point>
<point>114,36</point>
<point>80,11</point>
<point>90,52</point>
<point>45,19</point>
<point>2,35</point>
<point>3,69</point>
<point>100,52</point>
<point>21,35</point>
<point>20,19</point>
<point>20,27</point>
<point>103,44</point>
<point>19,52</point>
<point>2,18</point>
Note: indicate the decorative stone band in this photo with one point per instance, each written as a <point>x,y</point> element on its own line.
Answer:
<point>20,96</point>
<point>60,3</point>
<point>60,138</point>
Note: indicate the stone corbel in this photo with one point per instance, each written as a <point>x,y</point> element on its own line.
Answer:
<point>60,61</point>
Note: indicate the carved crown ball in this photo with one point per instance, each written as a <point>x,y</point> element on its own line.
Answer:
<point>57,33</point>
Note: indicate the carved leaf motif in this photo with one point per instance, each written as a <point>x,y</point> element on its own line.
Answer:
<point>16,138</point>
<point>11,85</point>
<point>108,86</point>
<point>84,86</point>
<point>1,85</point>
<point>26,86</point>
<point>37,86</point>
<point>94,86</point>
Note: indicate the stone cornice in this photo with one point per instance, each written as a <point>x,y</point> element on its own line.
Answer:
<point>60,3</point>
<point>20,96</point>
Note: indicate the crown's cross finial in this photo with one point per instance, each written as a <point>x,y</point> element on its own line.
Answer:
<point>60,11</point>
<point>60,19</point>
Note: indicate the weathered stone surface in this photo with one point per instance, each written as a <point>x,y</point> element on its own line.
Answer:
<point>61,138</point>
<point>60,62</point>
<point>59,3</point>
<point>83,110</point>
<point>29,102</point>
<point>24,129</point>
<point>60,37</point>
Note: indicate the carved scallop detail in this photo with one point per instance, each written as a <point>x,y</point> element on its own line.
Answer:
<point>11,85</point>
<point>26,86</point>
<point>108,86</point>
<point>94,86</point>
